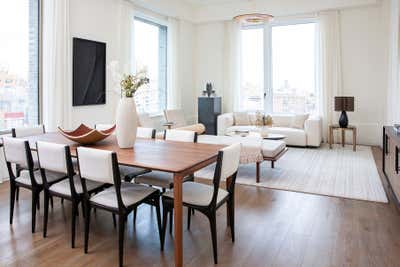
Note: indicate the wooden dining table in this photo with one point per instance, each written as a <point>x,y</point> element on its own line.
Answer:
<point>179,158</point>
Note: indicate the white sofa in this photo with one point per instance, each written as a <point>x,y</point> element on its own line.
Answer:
<point>308,134</point>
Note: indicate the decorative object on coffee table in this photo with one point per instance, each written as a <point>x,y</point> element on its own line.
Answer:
<point>127,118</point>
<point>338,127</point>
<point>85,135</point>
<point>343,104</point>
<point>273,136</point>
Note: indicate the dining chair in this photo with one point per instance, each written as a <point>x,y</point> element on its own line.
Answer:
<point>57,158</point>
<point>208,198</point>
<point>129,172</point>
<point>120,199</point>
<point>17,151</point>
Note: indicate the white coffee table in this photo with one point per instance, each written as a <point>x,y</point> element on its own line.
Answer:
<point>270,136</point>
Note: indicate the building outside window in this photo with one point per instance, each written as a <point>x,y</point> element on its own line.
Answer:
<point>19,63</point>
<point>150,50</point>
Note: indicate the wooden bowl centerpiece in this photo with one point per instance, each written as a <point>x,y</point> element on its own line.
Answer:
<point>85,135</point>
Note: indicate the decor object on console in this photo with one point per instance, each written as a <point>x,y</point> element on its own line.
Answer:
<point>343,104</point>
<point>309,134</point>
<point>209,108</point>
<point>127,117</point>
<point>209,90</point>
<point>85,135</point>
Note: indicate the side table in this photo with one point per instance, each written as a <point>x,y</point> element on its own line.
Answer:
<point>349,128</point>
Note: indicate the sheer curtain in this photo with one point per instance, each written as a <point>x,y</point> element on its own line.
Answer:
<point>330,69</point>
<point>174,98</point>
<point>232,67</point>
<point>56,64</point>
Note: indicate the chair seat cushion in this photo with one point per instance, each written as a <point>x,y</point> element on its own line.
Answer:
<point>131,171</point>
<point>130,193</point>
<point>271,148</point>
<point>64,188</point>
<point>158,178</point>
<point>198,194</point>
<point>24,177</point>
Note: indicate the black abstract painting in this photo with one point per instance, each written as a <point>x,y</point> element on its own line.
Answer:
<point>89,72</point>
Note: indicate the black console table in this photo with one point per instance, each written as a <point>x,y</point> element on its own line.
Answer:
<point>390,162</point>
<point>209,108</point>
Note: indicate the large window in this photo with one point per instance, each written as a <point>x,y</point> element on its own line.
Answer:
<point>150,49</point>
<point>279,68</point>
<point>19,63</point>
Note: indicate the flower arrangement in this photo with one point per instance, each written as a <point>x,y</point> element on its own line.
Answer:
<point>131,83</point>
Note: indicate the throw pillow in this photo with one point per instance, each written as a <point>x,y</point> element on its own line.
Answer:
<point>268,120</point>
<point>241,118</point>
<point>299,120</point>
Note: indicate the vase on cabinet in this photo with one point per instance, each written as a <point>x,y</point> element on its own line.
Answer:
<point>126,122</point>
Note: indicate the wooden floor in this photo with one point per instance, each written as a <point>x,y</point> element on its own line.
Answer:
<point>274,228</point>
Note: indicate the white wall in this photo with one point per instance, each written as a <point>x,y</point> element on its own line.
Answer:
<point>364,46</point>
<point>98,20</point>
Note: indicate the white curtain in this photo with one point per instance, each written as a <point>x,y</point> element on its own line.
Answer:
<point>174,98</point>
<point>125,29</point>
<point>56,64</point>
<point>232,67</point>
<point>330,69</point>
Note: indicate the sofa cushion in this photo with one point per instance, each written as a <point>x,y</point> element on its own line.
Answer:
<point>299,120</point>
<point>282,120</point>
<point>271,148</point>
<point>294,137</point>
<point>241,118</point>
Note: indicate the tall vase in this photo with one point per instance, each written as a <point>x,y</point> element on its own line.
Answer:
<point>127,122</point>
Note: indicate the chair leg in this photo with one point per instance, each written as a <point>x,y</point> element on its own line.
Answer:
<point>62,201</point>
<point>35,201</point>
<point>213,228</point>
<point>51,202</point>
<point>17,188</point>
<point>134,216</point>
<point>171,222</point>
<point>46,213</point>
<point>231,207</point>
<point>73,222</point>
<point>38,202</point>
<point>87,224</point>
<point>13,189</point>
<point>115,220</point>
<point>188,218</point>
<point>164,226</point>
<point>157,204</point>
<point>121,232</point>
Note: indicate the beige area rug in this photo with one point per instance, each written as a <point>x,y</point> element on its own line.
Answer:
<point>337,172</point>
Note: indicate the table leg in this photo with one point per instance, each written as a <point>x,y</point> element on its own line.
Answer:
<point>343,137</point>
<point>354,139</point>
<point>178,220</point>
<point>257,172</point>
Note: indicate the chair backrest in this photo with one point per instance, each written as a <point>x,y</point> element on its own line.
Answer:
<point>143,132</point>
<point>96,165</point>
<point>17,151</point>
<point>103,126</point>
<point>176,116</point>
<point>180,135</point>
<point>27,131</point>
<point>227,166</point>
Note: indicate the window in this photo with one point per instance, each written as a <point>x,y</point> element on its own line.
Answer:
<point>279,76</point>
<point>294,69</point>
<point>19,63</point>
<point>150,50</point>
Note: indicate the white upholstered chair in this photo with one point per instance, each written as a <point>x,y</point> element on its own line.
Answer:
<point>57,158</point>
<point>177,118</point>
<point>129,172</point>
<point>208,198</point>
<point>17,151</point>
<point>102,167</point>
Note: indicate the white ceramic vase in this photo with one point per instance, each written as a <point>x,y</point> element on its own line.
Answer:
<point>127,122</point>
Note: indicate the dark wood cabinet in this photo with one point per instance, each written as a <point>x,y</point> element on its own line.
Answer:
<point>209,108</point>
<point>390,162</point>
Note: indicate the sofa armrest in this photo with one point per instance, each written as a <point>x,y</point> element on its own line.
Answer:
<point>313,129</point>
<point>223,122</point>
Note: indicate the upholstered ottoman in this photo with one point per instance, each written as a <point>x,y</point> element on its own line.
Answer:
<point>254,149</point>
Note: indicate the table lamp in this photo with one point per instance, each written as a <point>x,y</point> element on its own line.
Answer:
<point>343,104</point>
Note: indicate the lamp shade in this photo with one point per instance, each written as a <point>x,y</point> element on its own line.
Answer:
<point>344,103</point>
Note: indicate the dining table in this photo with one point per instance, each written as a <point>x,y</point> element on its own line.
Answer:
<point>179,158</point>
